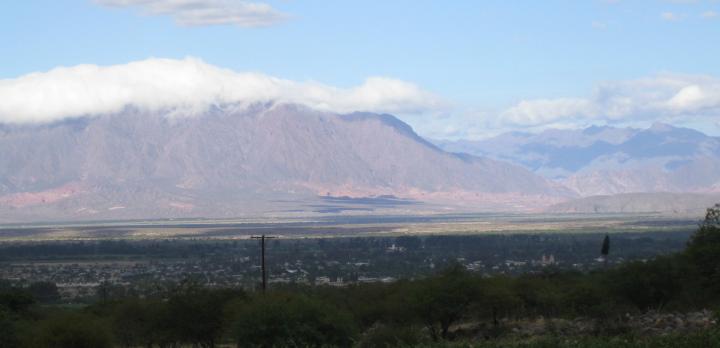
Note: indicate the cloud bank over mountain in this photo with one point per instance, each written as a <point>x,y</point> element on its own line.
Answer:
<point>665,97</point>
<point>206,12</point>
<point>683,100</point>
<point>189,87</point>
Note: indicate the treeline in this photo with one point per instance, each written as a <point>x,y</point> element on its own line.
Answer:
<point>488,248</point>
<point>451,307</point>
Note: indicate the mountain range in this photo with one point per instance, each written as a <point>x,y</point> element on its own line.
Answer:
<point>288,159</point>
<point>609,160</point>
<point>238,161</point>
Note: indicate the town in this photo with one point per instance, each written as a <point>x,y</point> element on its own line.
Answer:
<point>76,271</point>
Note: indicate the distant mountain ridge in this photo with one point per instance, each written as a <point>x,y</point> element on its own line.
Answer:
<point>662,202</point>
<point>232,162</point>
<point>610,160</point>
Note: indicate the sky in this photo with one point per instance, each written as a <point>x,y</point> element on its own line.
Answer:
<point>451,69</point>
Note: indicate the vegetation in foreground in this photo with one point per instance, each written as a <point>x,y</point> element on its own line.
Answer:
<point>451,308</point>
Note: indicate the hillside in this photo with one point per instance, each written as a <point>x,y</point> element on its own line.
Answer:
<point>240,161</point>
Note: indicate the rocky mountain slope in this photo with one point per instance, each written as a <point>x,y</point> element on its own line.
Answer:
<point>237,161</point>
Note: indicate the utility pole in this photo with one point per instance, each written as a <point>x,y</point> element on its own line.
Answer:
<point>262,258</point>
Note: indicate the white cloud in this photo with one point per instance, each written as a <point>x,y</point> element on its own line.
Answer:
<point>670,16</point>
<point>189,86</point>
<point>599,25</point>
<point>543,111</point>
<point>709,14</point>
<point>667,97</point>
<point>206,12</point>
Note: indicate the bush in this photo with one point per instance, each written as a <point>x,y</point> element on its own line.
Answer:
<point>439,302</point>
<point>15,300</point>
<point>138,323</point>
<point>44,292</point>
<point>195,315</point>
<point>282,320</point>
<point>8,329</point>
<point>649,285</point>
<point>69,330</point>
<point>393,336</point>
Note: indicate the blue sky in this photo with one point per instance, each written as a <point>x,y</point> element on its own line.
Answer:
<point>484,58</point>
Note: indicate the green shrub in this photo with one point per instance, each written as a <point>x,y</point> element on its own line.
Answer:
<point>393,336</point>
<point>69,330</point>
<point>282,320</point>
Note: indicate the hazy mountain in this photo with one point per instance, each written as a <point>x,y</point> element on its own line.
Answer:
<point>235,162</point>
<point>609,160</point>
<point>675,203</point>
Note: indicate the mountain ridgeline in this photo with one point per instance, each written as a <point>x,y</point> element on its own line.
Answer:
<point>282,159</point>
<point>235,162</point>
<point>615,170</point>
<point>609,160</point>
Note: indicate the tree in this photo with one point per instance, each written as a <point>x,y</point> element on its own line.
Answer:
<point>16,300</point>
<point>650,285</point>
<point>8,329</point>
<point>442,300</point>
<point>137,323</point>
<point>15,304</point>
<point>496,300</point>
<point>704,247</point>
<point>605,250</point>
<point>195,314</point>
<point>69,330</point>
<point>44,292</point>
<point>280,320</point>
